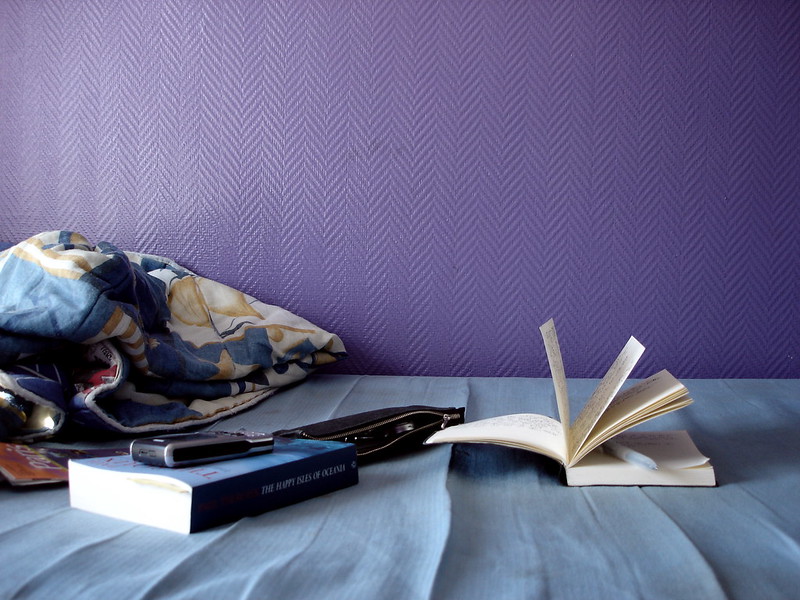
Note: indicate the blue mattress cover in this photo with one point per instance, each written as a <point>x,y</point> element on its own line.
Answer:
<point>460,522</point>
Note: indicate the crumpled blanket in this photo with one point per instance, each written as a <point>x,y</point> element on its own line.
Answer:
<point>96,339</point>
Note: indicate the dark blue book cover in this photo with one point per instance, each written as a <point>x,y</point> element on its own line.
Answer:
<point>193,498</point>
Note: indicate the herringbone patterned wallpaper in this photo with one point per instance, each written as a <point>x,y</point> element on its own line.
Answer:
<point>434,179</point>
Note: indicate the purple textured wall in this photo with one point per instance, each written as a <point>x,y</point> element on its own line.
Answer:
<point>433,180</point>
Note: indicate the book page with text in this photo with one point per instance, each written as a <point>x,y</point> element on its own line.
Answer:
<point>529,431</point>
<point>648,398</point>
<point>602,397</point>
<point>554,358</point>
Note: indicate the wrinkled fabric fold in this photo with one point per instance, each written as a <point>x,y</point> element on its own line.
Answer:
<point>108,340</point>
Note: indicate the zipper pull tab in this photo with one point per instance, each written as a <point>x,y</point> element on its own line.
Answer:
<point>446,418</point>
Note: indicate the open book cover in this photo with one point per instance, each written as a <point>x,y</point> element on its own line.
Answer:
<point>607,414</point>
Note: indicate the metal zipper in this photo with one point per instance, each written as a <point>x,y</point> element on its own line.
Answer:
<point>446,418</point>
<point>397,439</point>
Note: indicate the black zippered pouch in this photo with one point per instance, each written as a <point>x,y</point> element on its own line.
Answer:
<point>378,434</point>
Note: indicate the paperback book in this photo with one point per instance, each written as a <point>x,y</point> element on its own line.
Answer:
<point>610,411</point>
<point>194,498</point>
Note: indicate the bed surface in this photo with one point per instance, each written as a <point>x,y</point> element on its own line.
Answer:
<point>456,522</point>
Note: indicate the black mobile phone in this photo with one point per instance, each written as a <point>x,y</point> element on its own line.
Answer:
<point>184,449</point>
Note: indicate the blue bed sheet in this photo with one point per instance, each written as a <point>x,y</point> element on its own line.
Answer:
<point>460,522</point>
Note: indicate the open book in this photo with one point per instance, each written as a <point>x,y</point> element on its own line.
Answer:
<point>608,412</point>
